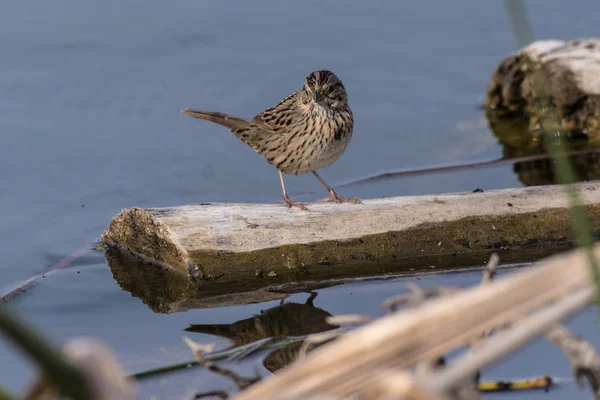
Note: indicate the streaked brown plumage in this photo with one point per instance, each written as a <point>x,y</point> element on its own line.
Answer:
<point>307,130</point>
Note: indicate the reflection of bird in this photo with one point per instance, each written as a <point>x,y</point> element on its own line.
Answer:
<point>283,357</point>
<point>307,130</point>
<point>289,319</point>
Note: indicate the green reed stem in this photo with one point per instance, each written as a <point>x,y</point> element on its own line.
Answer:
<point>211,357</point>
<point>4,395</point>
<point>564,173</point>
<point>516,11</point>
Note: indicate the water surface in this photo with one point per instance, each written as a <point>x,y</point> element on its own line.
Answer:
<point>90,124</point>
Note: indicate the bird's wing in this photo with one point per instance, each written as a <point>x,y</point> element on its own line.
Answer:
<point>282,117</point>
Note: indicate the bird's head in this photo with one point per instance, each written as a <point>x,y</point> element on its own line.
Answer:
<point>325,88</point>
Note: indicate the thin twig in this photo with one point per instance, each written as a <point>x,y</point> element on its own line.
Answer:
<point>232,353</point>
<point>214,393</point>
<point>252,348</point>
<point>507,341</point>
<point>200,349</point>
<point>317,339</point>
<point>416,296</point>
<point>471,389</point>
<point>489,273</point>
<point>581,354</point>
<point>490,269</point>
<point>348,319</point>
<point>456,167</point>
<point>19,288</point>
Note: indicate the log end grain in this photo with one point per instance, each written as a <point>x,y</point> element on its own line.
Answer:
<point>138,230</point>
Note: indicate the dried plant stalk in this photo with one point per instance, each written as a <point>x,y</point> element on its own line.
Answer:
<point>397,341</point>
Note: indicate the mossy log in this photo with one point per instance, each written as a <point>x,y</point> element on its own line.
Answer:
<point>570,74</point>
<point>242,247</point>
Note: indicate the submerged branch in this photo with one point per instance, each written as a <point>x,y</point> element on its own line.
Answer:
<point>457,167</point>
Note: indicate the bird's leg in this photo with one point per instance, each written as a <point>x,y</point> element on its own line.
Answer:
<point>333,196</point>
<point>286,200</point>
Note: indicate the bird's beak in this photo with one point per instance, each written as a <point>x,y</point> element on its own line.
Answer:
<point>188,111</point>
<point>316,96</point>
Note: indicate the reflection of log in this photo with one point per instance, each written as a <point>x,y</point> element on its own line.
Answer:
<point>227,248</point>
<point>518,141</point>
<point>541,172</point>
<point>155,285</point>
<point>570,70</point>
<point>514,135</point>
<point>567,72</point>
<point>166,290</point>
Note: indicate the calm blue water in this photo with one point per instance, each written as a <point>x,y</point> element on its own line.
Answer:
<point>90,124</point>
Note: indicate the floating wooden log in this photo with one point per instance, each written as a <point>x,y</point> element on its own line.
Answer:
<point>569,74</point>
<point>242,247</point>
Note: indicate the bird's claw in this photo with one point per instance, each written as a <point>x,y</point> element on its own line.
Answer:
<point>291,203</point>
<point>336,198</point>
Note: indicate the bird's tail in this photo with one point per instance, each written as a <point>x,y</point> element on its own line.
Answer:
<point>257,138</point>
<point>217,117</point>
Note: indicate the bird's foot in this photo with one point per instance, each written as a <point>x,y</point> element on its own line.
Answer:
<point>291,203</point>
<point>334,197</point>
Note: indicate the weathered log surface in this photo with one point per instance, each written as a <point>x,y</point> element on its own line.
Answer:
<point>571,78</point>
<point>242,247</point>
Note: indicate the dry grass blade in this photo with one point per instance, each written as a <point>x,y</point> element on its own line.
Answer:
<point>416,296</point>
<point>348,319</point>
<point>489,273</point>
<point>198,349</point>
<point>397,385</point>
<point>427,366</point>
<point>490,270</point>
<point>354,361</point>
<point>98,364</point>
<point>505,342</point>
<point>315,340</point>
